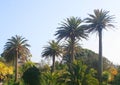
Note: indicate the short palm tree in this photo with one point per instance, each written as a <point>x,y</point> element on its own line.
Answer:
<point>49,78</point>
<point>78,75</point>
<point>71,29</point>
<point>67,48</point>
<point>96,23</point>
<point>16,48</point>
<point>52,50</point>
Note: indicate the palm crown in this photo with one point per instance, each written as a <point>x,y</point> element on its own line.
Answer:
<point>70,29</point>
<point>52,50</point>
<point>14,44</point>
<point>100,20</point>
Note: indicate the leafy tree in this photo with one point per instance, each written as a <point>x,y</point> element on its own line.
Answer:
<point>52,50</point>
<point>25,66</point>
<point>88,57</point>
<point>96,23</point>
<point>32,76</point>
<point>71,29</point>
<point>106,77</point>
<point>107,64</point>
<point>117,80</point>
<point>16,48</point>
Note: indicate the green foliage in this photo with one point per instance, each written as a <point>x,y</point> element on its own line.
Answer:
<point>78,74</point>
<point>49,78</point>
<point>106,76</point>
<point>67,49</point>
<point>90,80</point>
<point>90,58</point>
<point>45,68</point>
<point>11,81</point>
<point>2,59</point>
<point>117,79</point>
<point>32,76</point>
<point>60,66</point>
<point>26,65</point>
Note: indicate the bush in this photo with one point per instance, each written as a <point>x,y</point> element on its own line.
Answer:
<point>32,76</point>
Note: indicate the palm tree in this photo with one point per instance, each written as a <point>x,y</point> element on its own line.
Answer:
<point>16,48</point>
<point>78,75</point>
<point>71,29</point>
<point>67,48</point>
<point>52,50</point>
<point>48,78</point>
<point>96,23</point>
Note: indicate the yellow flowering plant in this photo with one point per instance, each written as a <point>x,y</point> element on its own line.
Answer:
<point>113,71</point>
<point>5,71</point>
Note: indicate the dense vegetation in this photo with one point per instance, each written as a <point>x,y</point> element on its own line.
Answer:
<point>78,66</point>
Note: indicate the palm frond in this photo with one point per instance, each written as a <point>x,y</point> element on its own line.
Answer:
<point>16,42</point>
<point>99,20</point>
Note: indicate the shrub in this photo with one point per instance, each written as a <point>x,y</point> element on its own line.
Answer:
<point>32,76</point>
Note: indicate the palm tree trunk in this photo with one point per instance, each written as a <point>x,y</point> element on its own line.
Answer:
<point>53,65</point>
<point>72,50</point>
<point>100,57</point>
<point>16,66</point>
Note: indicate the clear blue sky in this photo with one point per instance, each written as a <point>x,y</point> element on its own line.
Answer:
<point>37,20</point>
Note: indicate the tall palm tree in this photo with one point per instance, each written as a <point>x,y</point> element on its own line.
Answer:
<point>96,23</point>
<point>16,48</point>
<point>52,50</point>
<point>71,29</point>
